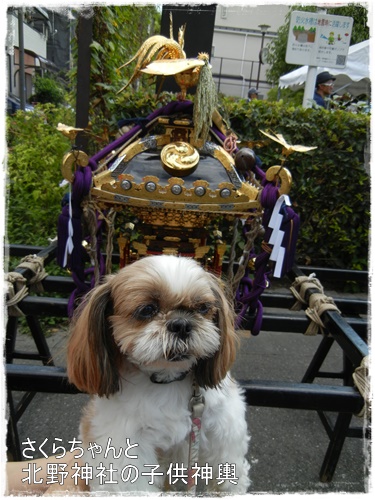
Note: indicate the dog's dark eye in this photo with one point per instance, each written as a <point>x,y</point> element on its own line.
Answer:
<point>203,308</point>
<point>146,312</point>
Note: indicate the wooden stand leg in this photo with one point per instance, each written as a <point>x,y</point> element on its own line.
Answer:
<point>335,446</point>
<point>318,360</point>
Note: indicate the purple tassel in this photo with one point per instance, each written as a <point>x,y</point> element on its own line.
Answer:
<point>291,225</point>
<point>248,298</point>
<point>62,234</point>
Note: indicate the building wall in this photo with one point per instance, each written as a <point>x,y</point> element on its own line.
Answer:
<point>237,42</point>
<point>59,43</point>
<point>33,41</point>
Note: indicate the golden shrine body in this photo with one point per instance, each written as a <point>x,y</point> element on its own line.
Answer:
<point>171,182</point>
<point>175,187</point>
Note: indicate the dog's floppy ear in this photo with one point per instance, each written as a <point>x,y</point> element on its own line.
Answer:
<point>93,357</point>
<point>210,372</point>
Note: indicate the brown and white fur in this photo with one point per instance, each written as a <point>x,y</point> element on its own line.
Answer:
<point>137,344</point>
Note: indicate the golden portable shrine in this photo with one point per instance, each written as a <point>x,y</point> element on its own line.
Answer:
<point>171,181</point>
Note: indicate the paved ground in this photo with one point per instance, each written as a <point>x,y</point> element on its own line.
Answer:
<point>287,446</point>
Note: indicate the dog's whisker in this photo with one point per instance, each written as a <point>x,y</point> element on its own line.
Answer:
<point>165,343</point>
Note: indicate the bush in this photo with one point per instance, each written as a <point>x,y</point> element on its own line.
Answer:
<point>331,186</point>
<point>35,152</point>
<point>47,90</point>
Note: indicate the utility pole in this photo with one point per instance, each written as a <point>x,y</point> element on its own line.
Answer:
<point>21,56</point>
<point>263,29</point>
<point>84,36</point>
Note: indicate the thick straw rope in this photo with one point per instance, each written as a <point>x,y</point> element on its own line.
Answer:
<point>17,290</point>
<point>318,304</point>
<point>299,288</point>
<point>362,382</point>
<point>36,265</point>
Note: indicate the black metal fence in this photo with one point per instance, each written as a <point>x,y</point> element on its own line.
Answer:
<point>348,329</point>
<point>237,76</point>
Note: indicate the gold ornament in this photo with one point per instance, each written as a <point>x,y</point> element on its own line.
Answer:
<point>288,148</point>
<point>76,159</point>
<point>278,172</point>
<point>69,132</point>
<point>157,46</point>
<point>179,159</point>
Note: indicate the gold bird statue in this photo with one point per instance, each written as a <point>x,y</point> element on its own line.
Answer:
<point>69,132</point>
<point>157,46</point>
<point>288,148</point>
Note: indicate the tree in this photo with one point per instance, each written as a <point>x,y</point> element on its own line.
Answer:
<point>277,47</point>
<point>118,32</point>
<point>47,89</point>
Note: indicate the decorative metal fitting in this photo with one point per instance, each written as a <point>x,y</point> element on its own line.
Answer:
<point>225,193</point>
<point>176,189</point>
<point>150,187</point>
<point>200,191</point>
<point>126,185</point>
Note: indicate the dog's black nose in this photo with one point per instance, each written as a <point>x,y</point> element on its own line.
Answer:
<point>180,326</point>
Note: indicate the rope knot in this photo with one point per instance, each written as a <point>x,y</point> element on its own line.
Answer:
<point>318,304</point>
<point>16,291</point>
<point>36,265</point>
<point>362,382</point>
<point>299,288</point>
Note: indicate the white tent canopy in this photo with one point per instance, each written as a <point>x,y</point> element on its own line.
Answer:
<point>354,78</point>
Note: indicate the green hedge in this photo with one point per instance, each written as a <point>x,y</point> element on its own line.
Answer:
<point>35,152</point>
<point>331,187</point>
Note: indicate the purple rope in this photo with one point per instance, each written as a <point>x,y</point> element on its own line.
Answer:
<point>62,234</point>
<point>80,188</point>
<point>171,108</point>
<point>247,297</point>
<point>249,291</point>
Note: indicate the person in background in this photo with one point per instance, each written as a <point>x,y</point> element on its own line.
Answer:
<point>323,88</point>
<point>252,94</point>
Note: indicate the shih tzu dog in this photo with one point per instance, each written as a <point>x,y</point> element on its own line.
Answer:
<point>146,343</point>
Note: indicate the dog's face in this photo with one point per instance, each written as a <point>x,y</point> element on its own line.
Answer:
<point>163,315</point>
